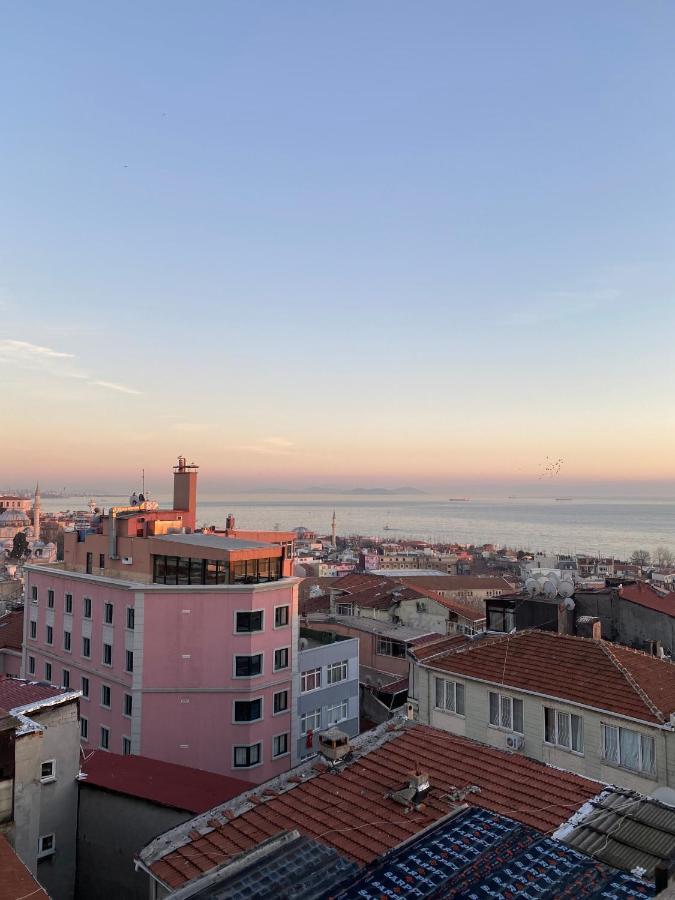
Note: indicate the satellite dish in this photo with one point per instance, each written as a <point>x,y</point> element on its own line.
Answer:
<point>542,584</point>
<point>553,576</point>
<point>565,589</point>
<point>550,588</point>
<point>532,586</point>
<point>568,604</point>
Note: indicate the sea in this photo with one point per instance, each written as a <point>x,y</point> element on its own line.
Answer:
<point>602,526</point>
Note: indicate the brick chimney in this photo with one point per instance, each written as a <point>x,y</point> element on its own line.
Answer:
<point>589,627</point>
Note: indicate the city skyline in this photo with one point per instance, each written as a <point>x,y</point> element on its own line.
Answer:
<point>362,247</point>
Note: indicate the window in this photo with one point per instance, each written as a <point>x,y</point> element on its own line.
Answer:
<point>48,771</point>
<point>130,661</point>
<point>126,746</point>
<point>244,757</point>
<point>281,616</point>
<point>564,729</point>
<point>107,654</point>
<point>246,622</point>
<point>387,647</point>
<point>85,687</point>
<point>84,728</point>
<point>33,630</point>
<point>337,672</point>
<point>629,749</point>
<point>105,696</point>
<point>50,599</point>
<point>130,617</point>
<point>505,712</point>
<point>66,640</point>
<point>450,696</point>
<point>310,721</point>
<point>500,619</point>
<point>48,672</point>
<point>34,593</point>
<point>65,678</point>
<point>86,647</point>
<point>105,738</point>
<point>90,563</point>
<point>345,609</point>
<point>31,665</point>
<point>337,713</point>
<point>311,680</point>
<point>50,634</point>
<point>101,560</point>
<point>68,603</point>
<point>248,710</point>
<point>46,845</point>
<point>108,613</point>
<point>279,745</point>
<point>128,704</point>
<point>248,666</point>
<point>281,701</point>
<point>86,611</point>
<point>281,659</point>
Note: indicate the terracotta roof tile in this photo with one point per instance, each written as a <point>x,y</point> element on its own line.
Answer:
<point>11,630</point>
<point>576,669</point>
<point>17,692</point>
<point>351,811</point>
<point>16,880</point>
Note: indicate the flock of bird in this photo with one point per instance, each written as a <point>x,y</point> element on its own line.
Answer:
<point>551,468</point>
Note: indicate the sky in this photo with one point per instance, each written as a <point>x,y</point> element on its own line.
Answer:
<point>355,243</point>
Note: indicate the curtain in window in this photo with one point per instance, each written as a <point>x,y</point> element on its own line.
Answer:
<point>518,716</point>
<point>629,747</point>
<point>610,741</point>
<point>505,715</point>
<point>648,760</point>
<point>440,693</point>
<point>564,729</point>
<point>459,701</point>
<point>577,734</point>
<point>494,709</point>
<point>549,725</point>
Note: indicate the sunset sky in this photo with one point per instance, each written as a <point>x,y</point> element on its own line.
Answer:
<point>354,243</point>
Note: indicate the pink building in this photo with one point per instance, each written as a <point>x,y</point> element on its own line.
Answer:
<point>182,642</point>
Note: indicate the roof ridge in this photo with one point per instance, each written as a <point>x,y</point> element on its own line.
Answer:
<point>646,699</point>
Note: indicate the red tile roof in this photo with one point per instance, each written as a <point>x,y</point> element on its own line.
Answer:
<point>179,787</point>
<point>352,812</point>
<point>377,592</point>
<point>16,692</point>
<point>580,670</point>
<point>461,582</point>
<point>16,881</point>
<point>645,595</point>
<point>11,630</point>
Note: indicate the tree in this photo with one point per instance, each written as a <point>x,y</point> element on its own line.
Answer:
<point>664,556</point>
<point>641,558</point>
<point>20,545</point>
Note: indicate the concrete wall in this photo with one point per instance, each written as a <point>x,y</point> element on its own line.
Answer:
<point>626,622</point>
<point>41,809</point>
<point>475,725</point>
<point>329,695</point>
<point>111,829</point>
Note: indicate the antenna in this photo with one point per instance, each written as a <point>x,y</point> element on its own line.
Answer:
<point>143,481</point>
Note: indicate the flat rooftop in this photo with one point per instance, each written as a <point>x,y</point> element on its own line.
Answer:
<point>405,573</point>
<point>213,541</point>
<point>372,626</point>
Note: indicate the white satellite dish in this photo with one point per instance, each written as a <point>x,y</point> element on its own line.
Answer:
<point>550,588</point>
<point>568,604</point>
<point>532,586</point>
<point>565,589</point>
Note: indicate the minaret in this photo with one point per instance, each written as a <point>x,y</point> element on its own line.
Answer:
<point>334,543</point>
<point>36,513</point>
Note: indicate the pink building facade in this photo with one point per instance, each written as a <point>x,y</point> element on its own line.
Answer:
<point>182,643</point>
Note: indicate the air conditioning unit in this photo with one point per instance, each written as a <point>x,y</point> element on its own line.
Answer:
<point>514,741</point>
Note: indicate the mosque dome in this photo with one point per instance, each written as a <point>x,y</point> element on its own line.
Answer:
<point>14,517</point>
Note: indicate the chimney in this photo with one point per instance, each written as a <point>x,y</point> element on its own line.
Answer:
<point>589,627</point>
<point>185,491</point>
<point>413,794</point>
<point>565,619</point>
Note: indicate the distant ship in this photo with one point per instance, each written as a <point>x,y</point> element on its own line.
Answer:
<point>458,499</point>
<point>564,498</point>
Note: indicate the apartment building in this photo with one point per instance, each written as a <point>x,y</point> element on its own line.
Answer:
<point>39,763</point>
<point>593,708</point>
<point>182,642</point>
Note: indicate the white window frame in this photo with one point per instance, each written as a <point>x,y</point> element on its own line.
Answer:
<point>450,695</point>
<point>288,659</point>
<point>248,612</point>
<point>288,614</point>
<point>331,718</point>
<point>33,593</point>
<point>66,596</point>
<point>287,751</point>
<point>47,779</point>
<point>31,665</point>
<point>558,714</point>
<point>510,701</point>
<point>236,721</point>
<point>344,609</point>
<point>619,763</point>
<point>384,646</point>
<point>32,633</point>
<point>85,696</point>
<point>132,610</point>
<point>304,678</point>
<point>42,853</point>
<point>315,715</point>
<point>128,739</point>
<point>103,662</point>
<point>247,747</point>
<point>108,606</point>
<point>341,668</point>
<point>249,656</point>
